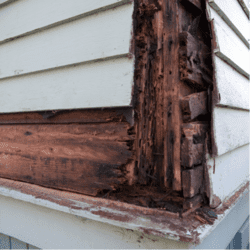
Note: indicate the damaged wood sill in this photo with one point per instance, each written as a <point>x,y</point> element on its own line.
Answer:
<point>147,220</point>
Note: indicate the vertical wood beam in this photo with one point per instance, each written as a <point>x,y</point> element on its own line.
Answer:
<point>172,119</point>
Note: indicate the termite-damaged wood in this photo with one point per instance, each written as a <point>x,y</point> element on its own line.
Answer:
<point>192,147</point>
<point>192,202</point>
<point>68,116</point>
<point>79,158</point>
<point>193,67</point>
<point>194,105</point>
<point>172,119</point>
<point>192,181</point>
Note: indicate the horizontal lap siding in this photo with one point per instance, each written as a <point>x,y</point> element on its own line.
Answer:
<point>24,16</point>
<point>231,128</point>
<point>233,13</point>
<point>233,87</point>
<point>80,63</point>
<point>91,85</point>
<point>230,45</point>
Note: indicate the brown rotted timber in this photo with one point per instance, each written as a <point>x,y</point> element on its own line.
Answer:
<point>192,202</point>
<point>193,55</point>
<point>194,105</point>
<point>80,158</point>
<point>196,3</point>
<point>192,181</point>
<point>66,116</point>
<point>192,146</point>
<point>172,120</point>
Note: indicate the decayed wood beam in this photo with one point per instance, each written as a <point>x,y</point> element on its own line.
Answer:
<point>192,181</point>
<point>193,55</point>
<point>172,119</point>
<point>193,143</point>
<point>190,203</point>
<point>80,158</point>
<point>194,105</point>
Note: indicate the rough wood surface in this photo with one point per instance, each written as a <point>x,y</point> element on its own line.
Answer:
<point>194,105</point>
<point>192,147</point>
<point>171,106</point>
<point>193,55</point>
<point>79,158</point>
<point>192,181</point>
<point>190,203</point>
<point>68,116</point>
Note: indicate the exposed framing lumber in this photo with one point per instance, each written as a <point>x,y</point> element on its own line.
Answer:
<point>172,118</point>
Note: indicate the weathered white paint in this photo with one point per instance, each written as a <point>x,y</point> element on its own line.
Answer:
<point>47,228</point>
<point>98,84</point>
<point>231,47</point>
<point>232,86</point>
<point>245,6</point>
<point>25,16</point>
<point>102,35</point>
<point>231,128</point>
<point>231,171</point>
<point>233,15</point>
<point>221,233</point>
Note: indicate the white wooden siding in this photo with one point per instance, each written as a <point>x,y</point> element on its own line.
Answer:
<point>231,128</point>
<point>233,14</point>
<point>105,83</point>
<point>98,36</point>
<point>232,86</point>
<point>80,62</point>
<point>231,47</point>
<point>231,172</point>
<point>24,16</point>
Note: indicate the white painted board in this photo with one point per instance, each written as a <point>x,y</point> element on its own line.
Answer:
<point>102,35</point>
<point>232,86</point>
<point>235,13</point>
<point>230,44</point>
<point>231,128</point>
<point>231,171</point>
<point>23,16</point>
<point>100,84</point>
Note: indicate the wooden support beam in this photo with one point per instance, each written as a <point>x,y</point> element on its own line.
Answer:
<point>85,158</point>
<point>193,143</point>
<point>192,181</point>
<point>194,105</point>
<point>172,120</point>
<point>193,67</point>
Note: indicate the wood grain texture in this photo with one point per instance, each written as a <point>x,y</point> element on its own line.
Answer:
<point>69,116</point>
<point>79,158</point>
<point>66,44</point>
<point>232,86</point>
<point>194,105</point>
<point>231,47</point>
<point>100,84</point>
<point>193,67</point>
<point>27,16</point>
<point>192,181</point>
<point>192,202</point>
<point>231,129</point>
<point>192,147</point>
<point>171,96</point>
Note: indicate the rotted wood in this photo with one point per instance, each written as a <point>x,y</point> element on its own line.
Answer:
<point>194,105</point>
<point>172,115</point>
<point>80,158</point>
<point>68,116</point>
<point>192,181</point>
<point>190,203</point>
<point>193,56</point>
<point>192,147</point>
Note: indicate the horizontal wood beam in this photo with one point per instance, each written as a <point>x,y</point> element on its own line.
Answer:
<point>84,158</point>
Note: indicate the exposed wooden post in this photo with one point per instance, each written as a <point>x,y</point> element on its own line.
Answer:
<point>172,120</point>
